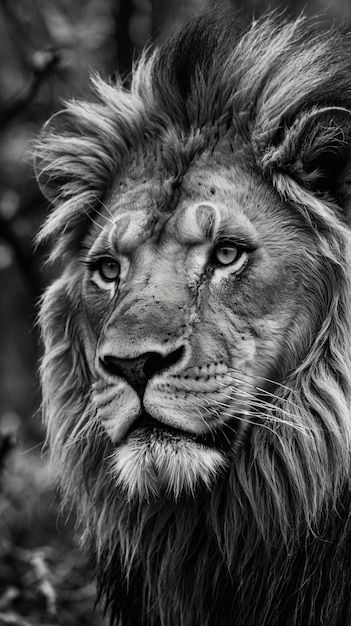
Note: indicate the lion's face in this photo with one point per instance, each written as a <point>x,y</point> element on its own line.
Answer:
<point>190,312</point>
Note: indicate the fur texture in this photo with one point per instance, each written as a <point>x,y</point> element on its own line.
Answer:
<point>256,529</point>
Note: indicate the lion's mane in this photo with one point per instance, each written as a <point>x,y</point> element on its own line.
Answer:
<point>270,543</point>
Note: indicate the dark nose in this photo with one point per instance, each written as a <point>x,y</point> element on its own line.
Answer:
<point>138,371</point>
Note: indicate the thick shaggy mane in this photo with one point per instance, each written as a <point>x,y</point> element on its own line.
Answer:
<point>254,79</point>
<point>269,543</point>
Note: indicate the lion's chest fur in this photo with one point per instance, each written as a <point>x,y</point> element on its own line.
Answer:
<point>198,567</point>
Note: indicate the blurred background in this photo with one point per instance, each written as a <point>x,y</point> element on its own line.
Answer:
<point>47,50</point>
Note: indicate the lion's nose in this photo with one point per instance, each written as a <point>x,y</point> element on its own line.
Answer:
<point>139,370</point>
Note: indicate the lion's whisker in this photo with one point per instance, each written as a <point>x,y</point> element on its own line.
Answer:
<point>273,395</point>
<point>112,220</point>
<point>250,422</point>
<point>266,391</point>
<point>275,419</point>
<point>95,222</point>
<point>268,380</point>
<point>269,417</point>
<point>255,403</point>
<point>246,394</point>
<point>211,430</point>
<point>104,217</point>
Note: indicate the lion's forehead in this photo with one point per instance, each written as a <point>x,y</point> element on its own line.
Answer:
<point>195,222</point>
<point>202,207</point>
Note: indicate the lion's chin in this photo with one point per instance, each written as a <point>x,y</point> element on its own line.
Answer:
<point>153,462</point>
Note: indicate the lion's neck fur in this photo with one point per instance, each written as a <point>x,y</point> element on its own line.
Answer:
<point>201,562</point>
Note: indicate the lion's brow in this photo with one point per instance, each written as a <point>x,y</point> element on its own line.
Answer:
<point>129,230</point>
<point>205,221</point>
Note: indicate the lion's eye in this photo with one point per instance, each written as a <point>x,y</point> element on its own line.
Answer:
<point>108,269</point>
<point>226,253</point>
<point>104,272</point>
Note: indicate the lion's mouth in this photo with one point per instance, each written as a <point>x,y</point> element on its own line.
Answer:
<point>148,428</point>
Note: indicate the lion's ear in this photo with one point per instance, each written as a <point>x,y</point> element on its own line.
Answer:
<point>315,151</point>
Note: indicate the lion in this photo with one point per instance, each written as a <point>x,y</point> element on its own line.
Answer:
<point>197,367</point>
